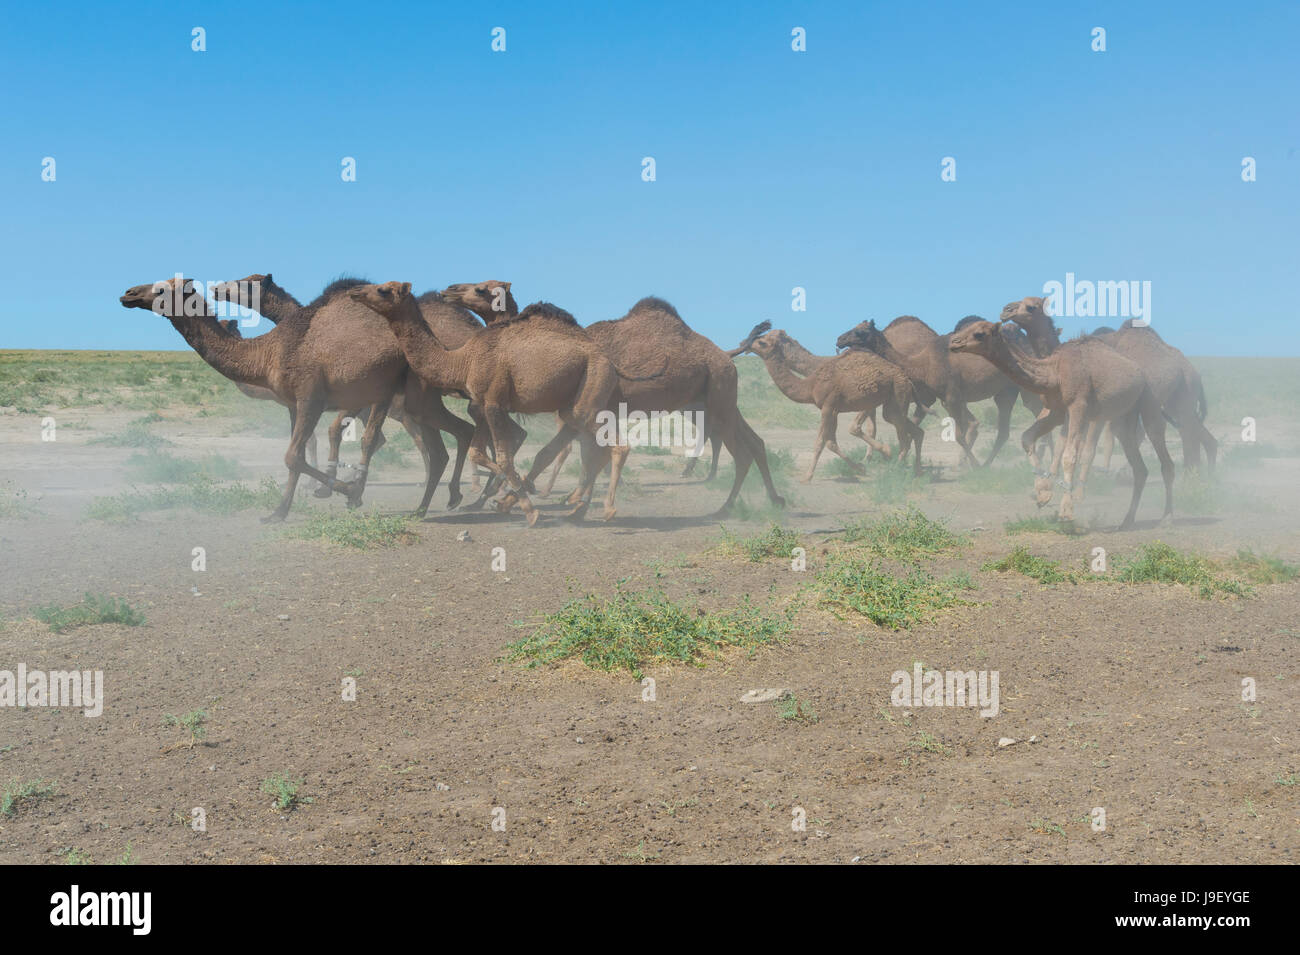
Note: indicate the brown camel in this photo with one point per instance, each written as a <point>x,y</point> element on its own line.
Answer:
<point>453,325</point>
<point>1085,384</point>
<point>952,379</point>
<point>690,371</point>
<point>540,361</point>
<point>852,381</point>
<point>1176,383</point>
<point>262,294</point>
<point>312,361</point>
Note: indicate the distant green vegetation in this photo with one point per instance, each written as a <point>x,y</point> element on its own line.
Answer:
<point>160,467</point>
<point>359,529</point>
<point>14,503</point>
<point>135,435</point>
<point>199,493</point>
<point>630,630</point>
<point>93,609</point>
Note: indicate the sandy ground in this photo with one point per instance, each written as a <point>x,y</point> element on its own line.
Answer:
<point>1132,692</point>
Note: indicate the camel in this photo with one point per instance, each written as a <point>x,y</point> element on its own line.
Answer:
<point>937,374</point>
<point>540,361</point>
<point>319,358</point>
<point>453,325</point>
<point>854,381</point>
<point>1177,384</point>
<point>1085,384</point>
<point>1173,379</point>
<point>692,371</point>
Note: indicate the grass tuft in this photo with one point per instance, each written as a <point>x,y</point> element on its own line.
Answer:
<point>356,529</point>
<point>93,609</point>
<point>1042,569</point>
<point>1160,563</point>
<point>853,580</point>
<point>776,541</point>
<point>906,535</point>
<point>634,629</point>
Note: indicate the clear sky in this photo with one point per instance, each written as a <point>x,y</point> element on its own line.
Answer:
<point>774,169</point>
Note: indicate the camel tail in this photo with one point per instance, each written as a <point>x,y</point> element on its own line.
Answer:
<point>743,347</point>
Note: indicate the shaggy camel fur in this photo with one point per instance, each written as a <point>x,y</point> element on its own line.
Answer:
<point>541,361</point>
<point>953,380</point>
<point>1085,384</point>
<point>692,372</point>
<point>853,381</point>
<point>309,364</point>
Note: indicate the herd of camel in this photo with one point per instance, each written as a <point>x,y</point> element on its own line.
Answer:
<point>377,351</point>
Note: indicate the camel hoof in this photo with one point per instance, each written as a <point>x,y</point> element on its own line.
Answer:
<point>453,500</point>
<point>275,517</point>
<point>806,480</point>
<point>778,501</point>
<point>609,514</point>
<point>578,513</point>
<point>322,491</point>
<point>420,512</point>
<point>532,518</point>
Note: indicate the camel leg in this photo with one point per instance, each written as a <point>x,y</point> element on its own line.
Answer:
<point>557,468</point>
<point>1070,456</point>
<point>909,433</point>
<point>834,447</point>
<point>967,429</point>
<point>1046,421</point>
<point>618,457</point>
<point>302,418</point>
<point>863,420</point>
<point>825,435</point>
<point>336,441</point>
<point>1006,402</point>
<point>558,449</point>
<point>1153,420</point>
<point>1085,458</point>
<point>494,420</point>
<point>1126,432</point>
<point>371,441</point>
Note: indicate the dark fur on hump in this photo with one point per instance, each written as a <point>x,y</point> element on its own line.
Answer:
<point>543,311</point>
<point>968,320</point>
<point>340,284</point>
<point>653,303</point>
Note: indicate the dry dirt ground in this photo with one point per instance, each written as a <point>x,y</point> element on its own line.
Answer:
<point>1132,691</point>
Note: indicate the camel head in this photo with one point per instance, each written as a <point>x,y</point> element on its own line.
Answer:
<point>1029,313</point>
<point>171,298</point>
<point>863,335</point>
<point>383,299</point>
<point>978,338</point>
<point>489,300</point>
<point>240,291</point>
<point>770,345</point>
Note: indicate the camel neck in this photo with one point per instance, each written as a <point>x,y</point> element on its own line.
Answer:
<point>276,304</point>
<point>243,360</point>
<point>437,367</point>
<point>800,359</point>
<point>1038,375</point>
<point>791,385</point>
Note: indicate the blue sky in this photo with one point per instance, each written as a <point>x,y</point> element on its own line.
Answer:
<point>775,169</point>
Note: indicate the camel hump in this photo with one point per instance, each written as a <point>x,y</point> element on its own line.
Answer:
<point>654,303</point>
<point>340,284</point>
<point>542,310</point>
